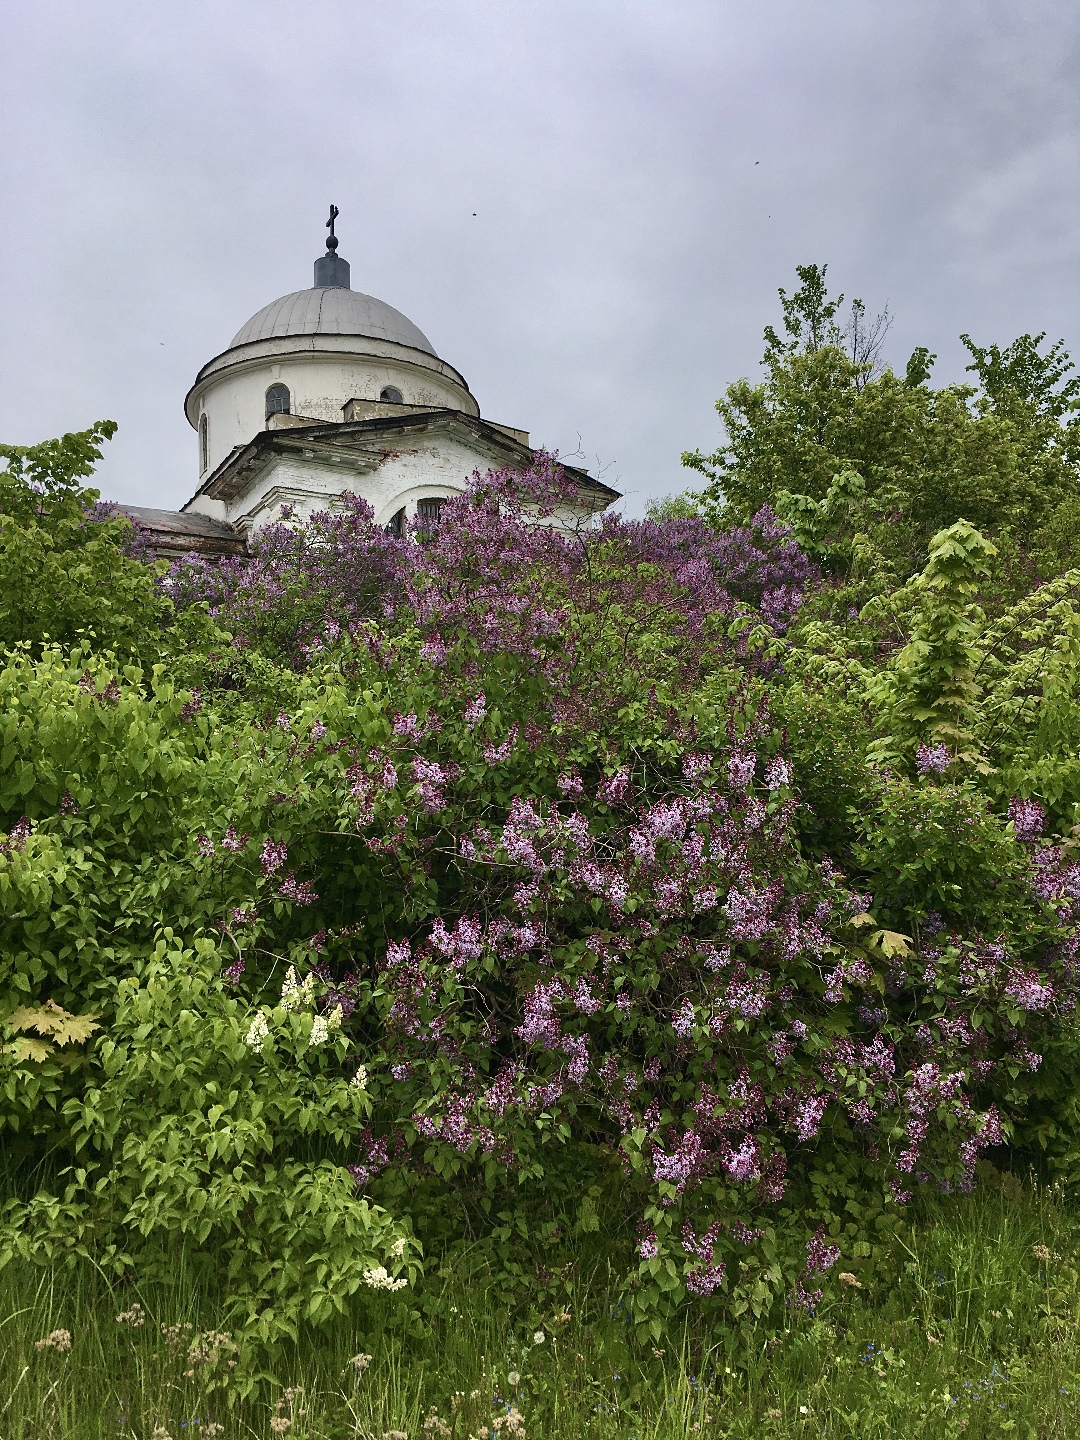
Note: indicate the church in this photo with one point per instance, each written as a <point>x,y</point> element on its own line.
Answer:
<point>330,390</point>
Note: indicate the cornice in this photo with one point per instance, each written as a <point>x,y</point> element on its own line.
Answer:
<point>363,445</point>
<point>256,352</point>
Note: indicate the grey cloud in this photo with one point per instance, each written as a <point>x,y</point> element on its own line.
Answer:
<point>167,168</point>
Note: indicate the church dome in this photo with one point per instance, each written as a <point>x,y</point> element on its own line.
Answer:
<point>331,310</point>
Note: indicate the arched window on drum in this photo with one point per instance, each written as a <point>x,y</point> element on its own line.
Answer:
<point>204,445</point>
<point>278,401</point>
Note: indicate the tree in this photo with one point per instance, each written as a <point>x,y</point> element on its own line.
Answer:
<point>65,566</point>
<point>1001,455</point>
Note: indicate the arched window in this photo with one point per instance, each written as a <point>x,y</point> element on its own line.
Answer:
<point>204,444</point>
<point>391,395</point>
<point>396,525</point>
<point>428,511</point>
<point>278,400</point>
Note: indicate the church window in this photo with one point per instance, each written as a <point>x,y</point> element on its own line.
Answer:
<point>396,525</point>
<point>278,401</point>
<point>428,511</point>
<point>391,395</point>
<point>204,444</point>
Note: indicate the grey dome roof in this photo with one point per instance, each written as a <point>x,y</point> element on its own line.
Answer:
<point>331,310</point>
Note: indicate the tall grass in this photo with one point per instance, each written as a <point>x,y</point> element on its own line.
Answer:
<point>978,1334</point>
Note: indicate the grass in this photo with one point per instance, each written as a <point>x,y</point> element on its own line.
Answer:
<point>977,1335</point>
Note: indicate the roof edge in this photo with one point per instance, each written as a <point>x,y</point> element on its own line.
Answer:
<point>270,441</point>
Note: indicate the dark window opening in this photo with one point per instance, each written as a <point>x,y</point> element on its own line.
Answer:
<point>391,395</point>
<point>278,401</point>
<point>204,443</point>
<point>429,511</point>
<point>396,525</point>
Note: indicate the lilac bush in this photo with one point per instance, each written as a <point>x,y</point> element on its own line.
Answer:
<point>633,972</point>
<point>507,847</point>
<point>505,562</point>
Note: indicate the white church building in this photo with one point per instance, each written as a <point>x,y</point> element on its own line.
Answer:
<point>329,390</point>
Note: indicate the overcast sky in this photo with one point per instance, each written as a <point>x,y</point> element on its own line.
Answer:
<point>587,205</point>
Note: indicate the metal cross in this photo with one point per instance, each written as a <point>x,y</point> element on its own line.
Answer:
<point>334,213</point>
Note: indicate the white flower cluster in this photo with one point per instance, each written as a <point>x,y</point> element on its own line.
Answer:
<point>359,1080</point>
<point>323,1026</point>
<point>258,1032</point>
<point>379,1278</point>
<point>297,994</point>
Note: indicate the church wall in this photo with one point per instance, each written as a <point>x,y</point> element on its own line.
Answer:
<point>319,386</point>
<point>441,467</point>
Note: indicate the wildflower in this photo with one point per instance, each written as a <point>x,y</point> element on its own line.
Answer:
<point>1041,1252</point>
<point>58,1340</point>
<point>513,1378</point>
<point>512,1423</point>
<point>539,1337</point>
<point>360,1362</point>
<point>258,1032</point>
<point>846,1278</point>
<point>280,1424</point>
<point>135,1317</point>
<point>160,1433</point>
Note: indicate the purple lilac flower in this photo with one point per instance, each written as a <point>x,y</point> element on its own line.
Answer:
<point>300,892</point>
<point>932,759</point>
<point>476,710</point>
<point>779,773</point>
<point>273,857</point>
<point>819,1256</point>
<point>1028,819</point>
<point>614,789</point>
<point>740,768</point>
<point>1028,990</point>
